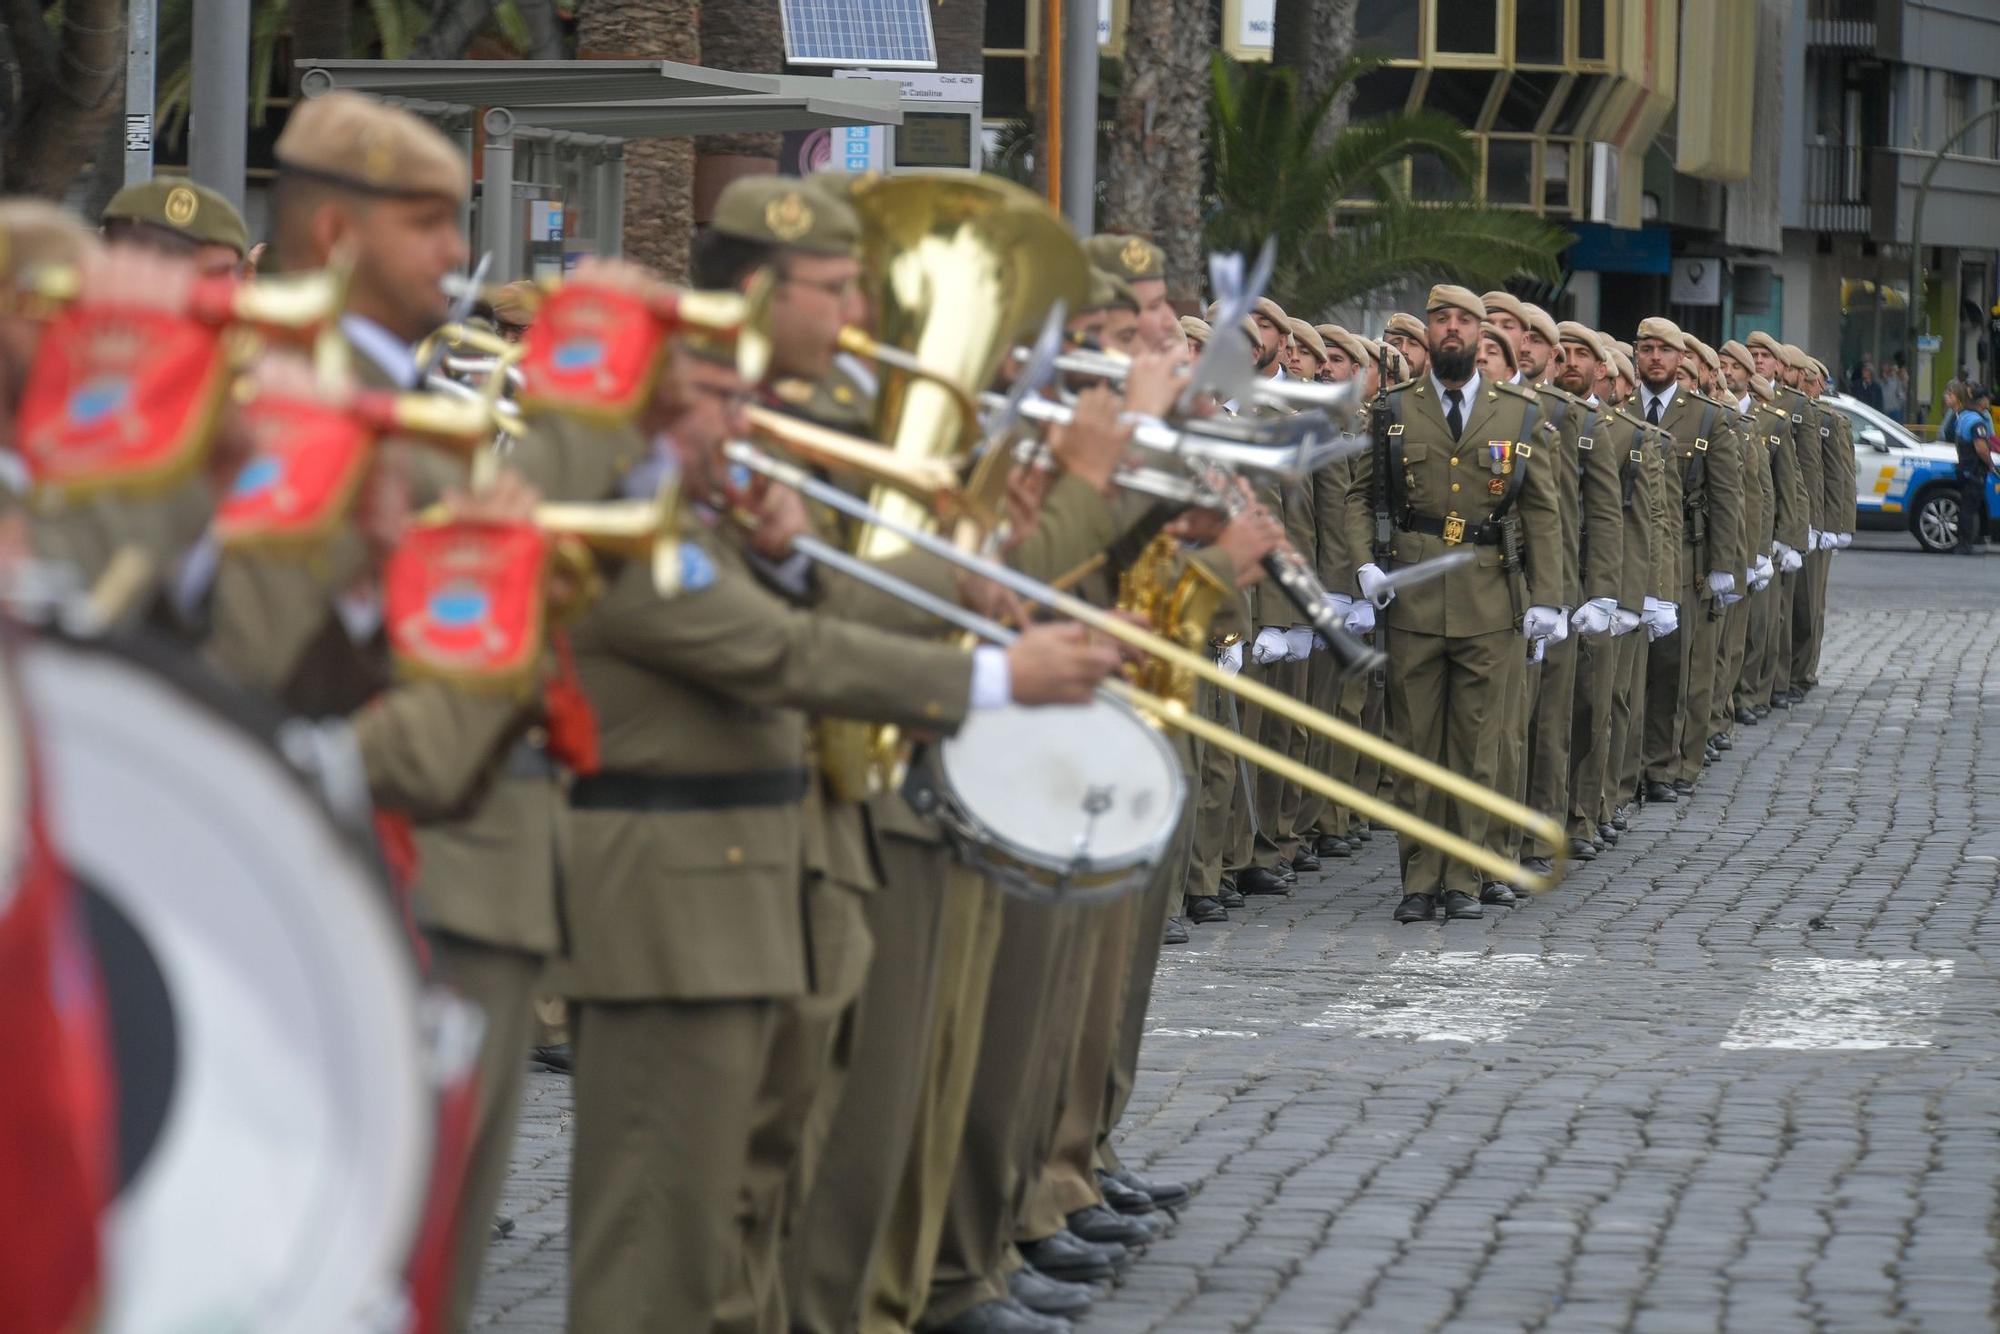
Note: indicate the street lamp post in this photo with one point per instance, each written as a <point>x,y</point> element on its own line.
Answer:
<point>1917,230</point>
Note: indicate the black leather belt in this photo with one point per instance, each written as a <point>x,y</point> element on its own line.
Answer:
<point>1453,531</point>
<point>626,791</point>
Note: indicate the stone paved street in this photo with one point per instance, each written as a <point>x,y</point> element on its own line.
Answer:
<point>1738,1073</point>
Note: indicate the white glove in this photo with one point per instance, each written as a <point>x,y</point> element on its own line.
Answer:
<point>1299,642</point>
<point>1544,623</point>
<point>1845,541</point>
<point>1812,538</point>
<point>1789,560</point>
<point>1761,571</point>
<point>1721,582</point>
<point>1373,584</point>
<point>1361,619</point>
<point>1624,622</point>
<point>1594,616</point>
<point>1270,646</point>
<point>1828,541</point>
<point>1231,659</point>
<point>1661,618</point>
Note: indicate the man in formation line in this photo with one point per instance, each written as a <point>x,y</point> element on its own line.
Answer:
<point>828,1076</point>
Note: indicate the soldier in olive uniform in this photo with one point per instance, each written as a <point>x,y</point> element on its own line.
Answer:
<point>1837,509</point>
<point>1463,467</point>
<point>1774,364</point>
<point>178,217</point>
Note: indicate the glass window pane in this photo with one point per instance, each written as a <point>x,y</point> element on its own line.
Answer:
<point>1556,158</point>
<point>1527,97</point>
<point>1468,26</point>
<point>1459,93</point>
<point>1572,111</point>
<point>1006,86</point>
<point>1388,27</point>
<point>1381,91</point>
<point>1510,171</point>
<point>1590,29</point>
<point>1430,180</point>
<point>1538,32</point>
<point>1006,26</point>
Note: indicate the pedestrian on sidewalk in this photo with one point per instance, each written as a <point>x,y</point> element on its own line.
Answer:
<point>1971,432</point>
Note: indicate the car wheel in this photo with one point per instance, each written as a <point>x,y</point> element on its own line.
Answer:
<point>1934,522</point>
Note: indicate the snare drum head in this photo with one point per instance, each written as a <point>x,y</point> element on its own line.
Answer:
<point>275,1106</point>
<point>1052,784</point>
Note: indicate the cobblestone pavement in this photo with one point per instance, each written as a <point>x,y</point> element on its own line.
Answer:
<point>1739,1072</point>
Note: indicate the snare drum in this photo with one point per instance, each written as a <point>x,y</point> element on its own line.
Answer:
<point>275,1106</point>
<point>1061,803</point>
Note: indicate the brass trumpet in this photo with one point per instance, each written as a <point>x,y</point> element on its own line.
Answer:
<point>1172,713</point>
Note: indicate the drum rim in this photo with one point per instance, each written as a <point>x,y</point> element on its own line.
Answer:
<point>183,676</point>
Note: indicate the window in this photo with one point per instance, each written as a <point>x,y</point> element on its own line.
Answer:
<point>1468,27</point>
<point>1590,24</point>
<point>1382,90</point>
<point>1558,157</point>
<point>1572,109</point>
<point>1431,180</point>
<point>1510,172</point>
<point>1526,101</point>
<point>1388,28</point>
<point>1538,32</point>
<point>1459,93</point>
<point>1957,103</point>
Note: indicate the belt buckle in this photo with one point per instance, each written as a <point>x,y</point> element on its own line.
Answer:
<point>1454,531</point>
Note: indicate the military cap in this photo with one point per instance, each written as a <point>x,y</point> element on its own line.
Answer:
<point>1498,335</point>
<point>783,211</point>
<point>1195,327</point>
<point>363,144</point>
<point>1308,338</point>
<point>1697,348</point>
<point>1739,354</point>
<point>1274,312</point>
<point>1768,343</point>
<point>35,234</point>
<point>516,303</point>
<point>1541,322</point>
<point>180,206</point>
<point>1660,327</point>
<point>1505,303</point>
<point>1623,361</point>
<point>1214,309</point>
<point>1406,324</point>
<point>1819,369</point>
<point>1794,356</point>
<point>1464,298</point>
<point>840,183</point>
<point>1618,343</point>
<point>1133,258</point>
<point>1108,290</point>
<point>1569,331</point>
<point>1762,388</point>
<point>1251,331</point>
<point>1350,343</point>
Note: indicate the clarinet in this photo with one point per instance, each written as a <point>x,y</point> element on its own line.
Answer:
<point>1289,571</point>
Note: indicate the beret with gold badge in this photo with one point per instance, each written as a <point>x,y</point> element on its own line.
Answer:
<point>194,211</point>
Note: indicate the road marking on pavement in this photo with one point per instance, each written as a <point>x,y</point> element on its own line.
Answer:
<point>1843,1004</point>
<point>1447,997</point>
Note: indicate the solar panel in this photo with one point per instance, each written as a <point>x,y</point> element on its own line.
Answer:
<point>886,34</point>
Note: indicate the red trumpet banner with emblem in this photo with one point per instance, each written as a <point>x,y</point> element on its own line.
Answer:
<point>466,600</point>
<point>592,351</point>
<point>307,463</point>
<point>120,400</point>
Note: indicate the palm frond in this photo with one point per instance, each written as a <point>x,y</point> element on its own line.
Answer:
<point>1424,243</point>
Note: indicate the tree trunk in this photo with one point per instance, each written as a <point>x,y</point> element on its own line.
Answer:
<point>659,173</point>
<point>58,129</point>
<point>747,37</point>
<point>1315,38</point>
<point>1158,154</point>
<point>453,26</point>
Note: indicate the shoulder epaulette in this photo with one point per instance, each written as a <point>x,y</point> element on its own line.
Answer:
<point>1518,391</point>
<point>1557,391</point>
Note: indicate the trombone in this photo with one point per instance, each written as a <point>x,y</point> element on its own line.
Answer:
<point>1171,713</point>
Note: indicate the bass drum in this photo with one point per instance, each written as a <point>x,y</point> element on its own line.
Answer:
<point>1060,804</point>
<point>275,1112</point>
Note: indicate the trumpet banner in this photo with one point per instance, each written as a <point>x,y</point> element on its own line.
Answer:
<point>307,463</point>
<point>593,352</point>
<point>466,600</point>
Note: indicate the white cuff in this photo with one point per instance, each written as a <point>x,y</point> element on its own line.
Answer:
<point>992,680</point>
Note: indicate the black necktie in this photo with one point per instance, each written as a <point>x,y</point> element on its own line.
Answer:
<point>1452,416</point>
<point>1653,412</point>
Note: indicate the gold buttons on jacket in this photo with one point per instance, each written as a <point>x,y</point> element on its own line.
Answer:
<point>1454,486</point>
<point>1454,463</point>
<point>734,856</point>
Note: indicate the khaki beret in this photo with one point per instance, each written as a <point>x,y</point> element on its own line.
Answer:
<point>1251,331</point>
<point>1214,309</point>
<point>1618,343</point>
<point>841,184</point>
<point>1541,322</point>
<point>363,144</point>
<point>180,206</point>
<point>1706,353</point>
<point>1569,331</point>
<point>1109,292</point>
<point>1406,324</point>
<point>1794,356</point>
<point>1623,361</point>
<point>1739,354</point>
<point>1660,327</point>
<point>1350,343</point>
<point>517,302</point>
<point>1133,258</point>
<point>1308,338</point>
<point>1274,312</point>
<point>35,234</point>
<point>1506,344</point>
<point>1762,388</point>
<point>1194,326</point>
<point>1820,368</point>
<point>783,211</point>
<point>1464,298</point>
<point>1505,303</point>
<point>1768,343</point>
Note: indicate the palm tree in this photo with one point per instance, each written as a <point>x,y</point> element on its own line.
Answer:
<point>1343,215</point>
